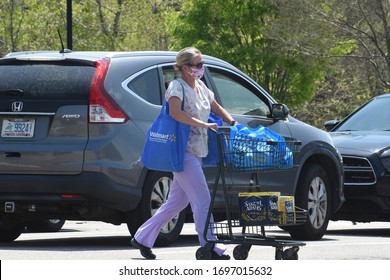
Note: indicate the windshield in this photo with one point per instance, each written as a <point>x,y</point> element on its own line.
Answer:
<point>372,116</point>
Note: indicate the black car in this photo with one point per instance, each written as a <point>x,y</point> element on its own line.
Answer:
<point>363,139</point>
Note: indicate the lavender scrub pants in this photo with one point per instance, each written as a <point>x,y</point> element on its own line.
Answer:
<point>188,186</point>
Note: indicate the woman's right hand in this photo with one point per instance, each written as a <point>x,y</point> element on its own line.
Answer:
<point>212,126</point>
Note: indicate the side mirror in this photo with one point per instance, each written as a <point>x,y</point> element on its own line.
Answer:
<point>329,125</point>
<point>279,112</point>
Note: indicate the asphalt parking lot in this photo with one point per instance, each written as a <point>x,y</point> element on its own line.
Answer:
<point>95,250</point>
<point>100,241</point>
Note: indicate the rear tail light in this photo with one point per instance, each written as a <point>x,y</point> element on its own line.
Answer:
<point>102,108</point>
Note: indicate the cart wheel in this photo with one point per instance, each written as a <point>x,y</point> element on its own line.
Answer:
<point>291,253</point>
<point>203,253</point>
<point>240,252</point>
<point>279,253</point>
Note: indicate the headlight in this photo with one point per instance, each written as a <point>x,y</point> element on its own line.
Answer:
<point>385,158</point>
<point>386,163</point>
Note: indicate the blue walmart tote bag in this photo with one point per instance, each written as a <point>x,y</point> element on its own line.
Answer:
<point>166,142</point>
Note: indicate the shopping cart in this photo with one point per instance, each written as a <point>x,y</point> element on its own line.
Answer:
<point>248,209</point>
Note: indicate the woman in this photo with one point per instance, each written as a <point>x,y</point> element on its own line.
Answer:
<point>190,185</point>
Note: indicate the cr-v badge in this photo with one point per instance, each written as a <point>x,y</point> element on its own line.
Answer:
<point>17,106</point>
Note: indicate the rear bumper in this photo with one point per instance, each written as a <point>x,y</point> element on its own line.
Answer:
<point>90,188</point>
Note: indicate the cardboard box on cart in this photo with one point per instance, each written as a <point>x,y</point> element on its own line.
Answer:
<point>258,208</point>
<point>286,206</point>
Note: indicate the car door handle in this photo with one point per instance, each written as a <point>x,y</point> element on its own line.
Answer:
<point>12,155</point>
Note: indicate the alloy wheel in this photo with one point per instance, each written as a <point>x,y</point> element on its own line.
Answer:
<point>317,202</point>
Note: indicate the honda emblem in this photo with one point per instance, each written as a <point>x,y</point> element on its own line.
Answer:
<point>17,106</point>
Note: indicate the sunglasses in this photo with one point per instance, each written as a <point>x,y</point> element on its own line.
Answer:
<point>198,65</point>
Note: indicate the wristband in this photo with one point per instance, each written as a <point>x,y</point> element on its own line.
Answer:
<point>233,122</point>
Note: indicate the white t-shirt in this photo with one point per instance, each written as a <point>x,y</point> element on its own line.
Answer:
<point>196,105</point>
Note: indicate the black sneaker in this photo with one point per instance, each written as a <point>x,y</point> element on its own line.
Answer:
<point>145,251</point>
<point>215,256</point>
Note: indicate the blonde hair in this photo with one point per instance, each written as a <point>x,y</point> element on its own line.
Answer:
<point>185,56</point>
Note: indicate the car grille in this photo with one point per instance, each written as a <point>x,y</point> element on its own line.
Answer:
<point>358,171</point>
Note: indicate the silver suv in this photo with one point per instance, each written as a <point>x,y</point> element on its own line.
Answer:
<point>73,128</point>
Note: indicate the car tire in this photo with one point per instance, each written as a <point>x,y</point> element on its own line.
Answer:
<point>45,225</point>
<point>155,193</point>
<point>313,194</point>
<point>10,232</point>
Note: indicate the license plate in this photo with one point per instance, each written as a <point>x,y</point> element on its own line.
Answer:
<point>18,128</point>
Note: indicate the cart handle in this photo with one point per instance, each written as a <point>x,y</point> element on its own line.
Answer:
<point>220,128</point>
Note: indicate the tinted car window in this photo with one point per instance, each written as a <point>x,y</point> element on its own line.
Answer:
<point>146,86</point>
<point>169,74</point>
<point>374,115</point>
<point>236,98</point>
<point>46,82</point>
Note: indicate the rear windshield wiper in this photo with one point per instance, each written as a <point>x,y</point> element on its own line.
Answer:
<point>11,92</point>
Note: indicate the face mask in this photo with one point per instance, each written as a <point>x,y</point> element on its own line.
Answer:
<point>197,73</point>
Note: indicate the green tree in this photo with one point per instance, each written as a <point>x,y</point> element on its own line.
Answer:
<point>237,31</point>
<point>107,24</point>
<point>12,15</point>
<point>115,25</point>
<point>121,25</point>
<point>322,58</point>
<point>354,38</point>
<point>362,25</point>
<point>31,24</point>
